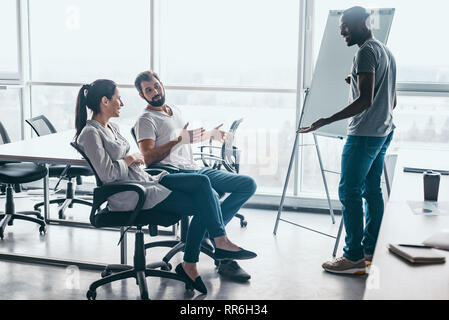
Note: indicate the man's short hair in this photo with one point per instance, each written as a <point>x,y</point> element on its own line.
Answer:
<point>356,13</point>
<point>144,76</point>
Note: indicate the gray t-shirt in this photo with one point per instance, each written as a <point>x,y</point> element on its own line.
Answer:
<point>376,121</point>
<point>163,128</point>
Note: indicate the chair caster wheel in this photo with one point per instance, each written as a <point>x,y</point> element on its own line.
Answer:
<point>91,295</point>
<point>61,215</point>
<point>11,222</point>
<point>105,273</point>
<point>1,234</point>
<point>42,230</point>
<point>243,223</point>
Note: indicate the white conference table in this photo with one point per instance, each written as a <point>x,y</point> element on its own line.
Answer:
<point>56,149</point>
<point>391,277</point>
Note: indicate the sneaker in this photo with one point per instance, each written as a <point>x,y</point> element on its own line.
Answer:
<point>368,260</point>
<point>345,266</point>
<point>232,270</point>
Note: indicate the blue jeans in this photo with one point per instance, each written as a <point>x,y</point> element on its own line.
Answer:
<point>240,187</point>
<point>362,165</point>
<point>192,195</point>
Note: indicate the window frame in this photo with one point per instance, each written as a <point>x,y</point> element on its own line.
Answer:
<point>15,78</point>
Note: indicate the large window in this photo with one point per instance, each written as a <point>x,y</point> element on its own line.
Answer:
<point>264,137</point>
<point>9,52</point>
<point>251,43</point>
<point>221,61</point>
<point>83,40</point>
<point>57,103</point>
<point>236,44</point>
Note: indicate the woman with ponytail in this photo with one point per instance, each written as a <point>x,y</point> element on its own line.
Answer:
<point>180,194</point>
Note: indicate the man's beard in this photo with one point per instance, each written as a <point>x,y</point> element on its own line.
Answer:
<point>158,103</point>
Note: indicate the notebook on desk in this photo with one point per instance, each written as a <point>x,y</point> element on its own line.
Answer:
<point>422,170</point>
<point>416,255</point>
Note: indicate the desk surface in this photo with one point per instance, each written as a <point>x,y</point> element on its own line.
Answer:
<point>52,149</point>
<point>390,277</point>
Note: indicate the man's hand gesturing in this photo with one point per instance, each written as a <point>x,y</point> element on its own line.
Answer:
<point>190,136</point>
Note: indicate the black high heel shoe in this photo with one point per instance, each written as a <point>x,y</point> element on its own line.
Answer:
<point>198,284</point>
<point>242,254</point>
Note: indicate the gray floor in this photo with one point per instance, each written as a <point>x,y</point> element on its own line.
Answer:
<point>288,266</point>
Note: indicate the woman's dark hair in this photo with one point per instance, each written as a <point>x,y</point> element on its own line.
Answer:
<point>90,96</point>
<point>144,76</point>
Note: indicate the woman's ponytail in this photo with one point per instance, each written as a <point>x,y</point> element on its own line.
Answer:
<point>81,110</point>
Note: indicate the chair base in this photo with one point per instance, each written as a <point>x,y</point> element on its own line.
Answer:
<point>7,219</point>
<point>68,201</point>
<point>139,275</point>
<point>63,203</point>
<point>139,271</point>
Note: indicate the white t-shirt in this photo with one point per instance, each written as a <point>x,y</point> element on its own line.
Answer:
<point>162,128</point>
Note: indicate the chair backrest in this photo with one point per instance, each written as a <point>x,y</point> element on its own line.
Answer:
<point>133,133</point>
<point>41,125</point>
<point>4,138</point>
<point>81,152</point>
<point>229,152</point>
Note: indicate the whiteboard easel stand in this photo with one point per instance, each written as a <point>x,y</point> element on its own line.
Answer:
<point>292,159</point>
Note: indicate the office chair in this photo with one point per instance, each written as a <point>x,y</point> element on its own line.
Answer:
<point>101,218</point>
<point>42,126</point>
<point>12,174</point>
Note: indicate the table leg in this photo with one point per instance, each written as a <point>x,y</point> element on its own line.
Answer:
<point>123,247</point>
<point>46,196</point>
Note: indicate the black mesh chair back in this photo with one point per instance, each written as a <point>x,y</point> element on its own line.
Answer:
<point>41,125</point>
<point>81,152</point>
<point>133,133</point>
<point>229,152</point>
<point>4,138</point>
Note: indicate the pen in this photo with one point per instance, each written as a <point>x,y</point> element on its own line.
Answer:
<point>415,245</point>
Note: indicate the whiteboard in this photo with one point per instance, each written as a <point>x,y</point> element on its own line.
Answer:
<point>329,93</point>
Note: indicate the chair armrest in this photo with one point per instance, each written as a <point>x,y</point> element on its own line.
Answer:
<point>153,171</point>
<point>102,193</point>
<point>211,147</point>
<point>166,167</point>
<point>207,156</point>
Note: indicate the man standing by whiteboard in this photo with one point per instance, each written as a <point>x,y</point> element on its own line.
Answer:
<point>370,130</point>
